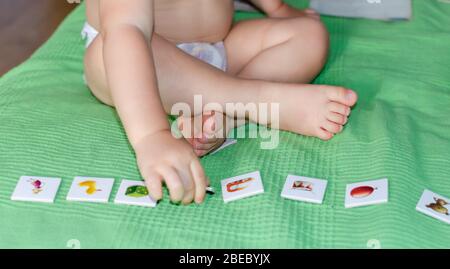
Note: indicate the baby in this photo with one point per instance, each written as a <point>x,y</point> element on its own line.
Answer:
<point>145,56</point>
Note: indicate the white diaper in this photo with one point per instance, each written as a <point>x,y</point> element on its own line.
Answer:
<point>213,54</point>
<point>88,33</point>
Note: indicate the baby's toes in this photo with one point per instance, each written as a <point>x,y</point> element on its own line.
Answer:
<point>332,127</point>
<point>324,134</point>
<point>341,95</point>
<point>339,108</point>
<point>337,118</point>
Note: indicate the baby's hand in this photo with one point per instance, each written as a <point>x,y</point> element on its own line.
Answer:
<point>161,157</point>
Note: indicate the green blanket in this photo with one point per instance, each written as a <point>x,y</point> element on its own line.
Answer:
<point>51,125</point>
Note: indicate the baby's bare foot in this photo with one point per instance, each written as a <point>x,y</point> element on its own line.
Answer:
<point>312,110</point>
<point>206,133</point>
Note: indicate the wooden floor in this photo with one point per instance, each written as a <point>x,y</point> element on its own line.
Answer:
<point>25,25</point>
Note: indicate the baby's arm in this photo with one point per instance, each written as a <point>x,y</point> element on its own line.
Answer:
<point>279,9</point>
<point>126,30</point>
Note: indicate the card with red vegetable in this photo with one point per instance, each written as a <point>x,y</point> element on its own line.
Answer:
<point>367,193</point>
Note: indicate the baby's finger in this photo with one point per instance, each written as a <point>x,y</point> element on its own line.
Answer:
<point>188,184</point>
<point>154,185</point>
<point>214,126</point>
<point>207,149</point>
<point>200,180</point>
<point>207,140</point>
<point>186,127</point>
<point>200,153</point>
<point>174,183</point>
<point>200,146</point>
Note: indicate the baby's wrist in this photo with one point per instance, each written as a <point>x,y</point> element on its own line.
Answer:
<point>139,140</point>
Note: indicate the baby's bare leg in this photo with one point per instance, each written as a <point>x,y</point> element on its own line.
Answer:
<point>291,50</point>
<point>180,77</point>
<point>285,50</point>
<point>279,50</point>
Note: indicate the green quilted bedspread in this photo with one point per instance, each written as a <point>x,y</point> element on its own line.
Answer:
<point>51,125</point>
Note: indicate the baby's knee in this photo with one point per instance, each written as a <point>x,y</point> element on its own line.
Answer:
<point>314,33</point>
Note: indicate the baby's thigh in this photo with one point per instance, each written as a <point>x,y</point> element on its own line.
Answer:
<point>250,38</point>
<point>95,72</point>
<point>243,43</point>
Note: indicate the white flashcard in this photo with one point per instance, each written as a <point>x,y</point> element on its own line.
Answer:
<point>366,193</point>
<point>134,193</point>
<point>242,186</point>
<point>90,189</point>
<point>36,189</point>
<point>434,205</point>
<point>227,143</point>
<point>304,189</point>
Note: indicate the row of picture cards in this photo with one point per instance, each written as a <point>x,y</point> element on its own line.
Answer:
<point>89,189</point>
<point>305,189</point>
<point>83,189</point>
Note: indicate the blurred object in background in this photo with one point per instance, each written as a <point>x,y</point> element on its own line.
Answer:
<point>370,9</point>
<point>25,25</point>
